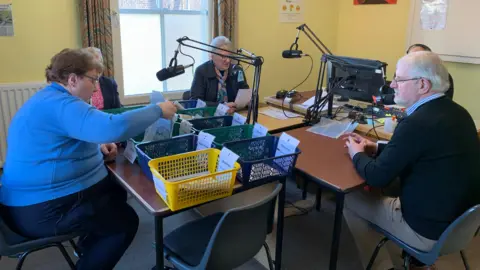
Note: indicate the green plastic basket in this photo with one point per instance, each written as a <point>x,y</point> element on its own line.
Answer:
<point>230,134</point>
<point>203,112</point>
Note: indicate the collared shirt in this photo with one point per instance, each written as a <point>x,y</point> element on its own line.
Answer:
<point>422,101</point>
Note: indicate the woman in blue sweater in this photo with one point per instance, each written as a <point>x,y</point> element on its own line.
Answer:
<point>55,181</point>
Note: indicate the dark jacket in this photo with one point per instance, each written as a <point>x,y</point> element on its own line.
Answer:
<point>436,154</point>
<point>205,83</point>
<point>389,96</point>
<point>111,99</point>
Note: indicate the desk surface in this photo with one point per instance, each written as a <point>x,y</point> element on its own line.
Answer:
<point>131,177</point>
<point>326,160</point>
<point>273,124</point>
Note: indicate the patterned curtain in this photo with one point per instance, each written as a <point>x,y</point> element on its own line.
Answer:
<point>96,28</point>
<point>224,18</point>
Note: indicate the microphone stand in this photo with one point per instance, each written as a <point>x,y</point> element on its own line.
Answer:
<point>243,56</point>
<point>314,111</point>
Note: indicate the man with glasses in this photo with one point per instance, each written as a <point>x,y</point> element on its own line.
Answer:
<point>434,152</point>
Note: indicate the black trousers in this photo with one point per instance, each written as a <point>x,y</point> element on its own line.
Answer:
<point>100,213</point>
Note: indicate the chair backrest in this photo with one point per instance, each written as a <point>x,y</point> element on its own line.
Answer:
<point>459,234</point>
<point>240,234</point>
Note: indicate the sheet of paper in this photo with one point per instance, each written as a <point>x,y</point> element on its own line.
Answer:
<point>286,145</point>
<point>130,153</point>
<point>201,104</point>
<point>226,160</point>
<point>243,98</point>
<point>156,97</point>
<point>433,15</point>
<point>222,110</point>
<point>278,113</point>
<point>185,127</point>
<point>332,128</point>
<point>160,187</point>
<point>259,131</point>
<point>205,140</point>
<point>309,102</point>
<point>238,119</point>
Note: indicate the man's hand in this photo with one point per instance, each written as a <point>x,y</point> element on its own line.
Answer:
<point>370,147</point>
<point>232,106</point>
<point>109,151</point>
<point>354,147</point>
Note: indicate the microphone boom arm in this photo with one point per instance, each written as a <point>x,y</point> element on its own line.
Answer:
<point>243,56</point>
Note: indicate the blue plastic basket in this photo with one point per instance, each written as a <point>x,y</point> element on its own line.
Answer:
<point>258,161</point>
<point>188,104</point>
<point>156,149</point>
<point>211,122</point>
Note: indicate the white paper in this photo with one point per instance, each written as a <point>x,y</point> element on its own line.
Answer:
<point>238,119</point>
<point>130,153</point>
<point>226,160</point>
<point>200,104</point>
<point>433,15</point>
<point>332,128</point>
<point>259,131</point>
<point>205,140</point>
<point>286,145</point>
<point>185,127</point>
<point>160,187</point>
<point>278,113</point>
<point>6,20</point>
<point>222,110</point>
<point>309,102</point>
<point>291,11</point>
<point>244,96</point>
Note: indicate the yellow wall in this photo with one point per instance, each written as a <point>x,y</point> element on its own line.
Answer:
<point>380,32</point>
<point>42,28</point>
<point>261,32</point>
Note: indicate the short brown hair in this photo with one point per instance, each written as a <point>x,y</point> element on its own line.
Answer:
<point>68,61</point>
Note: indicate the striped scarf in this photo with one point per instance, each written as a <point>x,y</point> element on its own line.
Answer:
<point>222,86</point>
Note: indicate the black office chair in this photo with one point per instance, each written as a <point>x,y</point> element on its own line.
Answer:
<point>222,240</point>
<point>186,95</point>
<point>15,245</point>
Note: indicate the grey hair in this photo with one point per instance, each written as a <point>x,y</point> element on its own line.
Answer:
<point>96,52</point>
<point>428,65</point>
<point>221,42</point>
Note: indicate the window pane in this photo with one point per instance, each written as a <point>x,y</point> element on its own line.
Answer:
<point>183,4</point>
<point>194,27</point>
<point>137,4</point>
<point>141,52</point>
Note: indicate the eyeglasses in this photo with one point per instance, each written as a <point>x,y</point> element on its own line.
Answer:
<point>395,80</point>
<point>94,80</point>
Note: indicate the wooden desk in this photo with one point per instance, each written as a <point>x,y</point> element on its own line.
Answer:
<point>325,161</point>
<point>276,125</point>
<point>131,177</point>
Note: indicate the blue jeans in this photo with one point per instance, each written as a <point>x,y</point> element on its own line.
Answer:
<point>100,213</point>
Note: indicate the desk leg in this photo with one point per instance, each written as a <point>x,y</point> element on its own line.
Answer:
<point>280,220</point>
<point>158,243</point>
<point>337,228</point>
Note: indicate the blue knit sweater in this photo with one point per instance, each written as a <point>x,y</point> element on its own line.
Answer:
<point>53,145</point>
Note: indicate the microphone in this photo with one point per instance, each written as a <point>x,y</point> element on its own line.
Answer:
<point>293,54</point>
<point>170,72</point>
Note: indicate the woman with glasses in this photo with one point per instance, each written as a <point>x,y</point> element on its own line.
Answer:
<point>218,80</point>
<point>106,97</point>
<point>55,181</point>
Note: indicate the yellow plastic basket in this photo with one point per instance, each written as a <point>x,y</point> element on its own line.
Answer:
<point>189,179</point>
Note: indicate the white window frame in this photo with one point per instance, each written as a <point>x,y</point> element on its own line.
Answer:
<point>117,47</point>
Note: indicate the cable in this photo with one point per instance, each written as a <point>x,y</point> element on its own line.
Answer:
<point>373,126</point>
<point>193,59</point>
<point>306,78</point>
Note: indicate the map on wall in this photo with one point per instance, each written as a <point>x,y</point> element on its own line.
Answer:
<point>373,2</point>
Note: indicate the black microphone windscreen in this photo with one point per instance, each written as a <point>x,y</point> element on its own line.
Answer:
<point>292,54</point>
<point>163,74</point>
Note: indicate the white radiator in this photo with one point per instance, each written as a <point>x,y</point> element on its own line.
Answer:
<point>12,97</point>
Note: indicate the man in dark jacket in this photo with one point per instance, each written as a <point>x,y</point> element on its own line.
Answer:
<point>434,151</point>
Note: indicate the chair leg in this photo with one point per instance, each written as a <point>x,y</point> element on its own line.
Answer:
<point>464,259</point>
<point>375,252</point>
<point>305,187</point>
<point>66,256</point>
<point>318,199</point>
<point>406,261</point>
<point>75,248</point>
<point>269,256</point>
<point>21,260</point>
